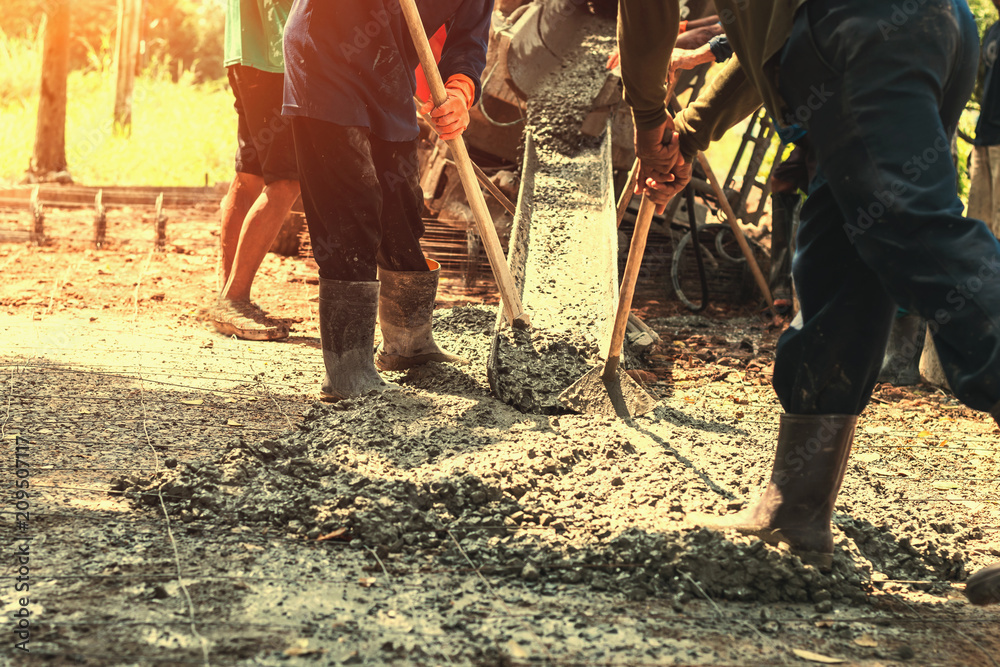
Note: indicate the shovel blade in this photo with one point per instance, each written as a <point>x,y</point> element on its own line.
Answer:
<point>619,396</point>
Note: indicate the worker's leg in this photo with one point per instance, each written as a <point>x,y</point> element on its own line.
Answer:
<point>883,224</point>
<point>880,97</point>
<point>341,196</point>
<point>343,204</point>
<point>408,281</point>
<point>270,146</point>
<point>827,363</point>
<point>263,222</point>
<point>239,199</point>
<point>246,186</point>
<point>881,92</point>
<point>397,167</point>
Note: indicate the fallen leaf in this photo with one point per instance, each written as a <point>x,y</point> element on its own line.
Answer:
<point>295,651</point>
<point>688,399</point>
<point>335,535</point>
<point>233,422</point>
<point>251,547</point>
<point>196,401</point>
<point>816,657</point>
<point>945,486</point>
<point>868,457</point>
<point>367,582</point>
<point>924,434</point>
<point>866,640</point>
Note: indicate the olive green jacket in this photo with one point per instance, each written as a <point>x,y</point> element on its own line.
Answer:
<point>757,31</point>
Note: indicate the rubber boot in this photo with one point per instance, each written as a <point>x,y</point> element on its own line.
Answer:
<point>797,504</point>
<point>347,312</point>
<point>984,586</point>
<point>405,307</point>
<point>901,365</point>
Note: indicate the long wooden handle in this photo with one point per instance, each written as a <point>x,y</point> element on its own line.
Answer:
<point>720,194</point>
<point>635,253</point>
<point>513,309</point>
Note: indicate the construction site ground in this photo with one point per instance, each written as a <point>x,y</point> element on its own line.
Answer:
<point>192,503</point>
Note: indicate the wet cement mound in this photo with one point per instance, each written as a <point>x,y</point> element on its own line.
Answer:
<point>440,468</point>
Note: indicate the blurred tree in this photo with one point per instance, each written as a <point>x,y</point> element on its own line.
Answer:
<point>48,162</point>
<point>186,34</point>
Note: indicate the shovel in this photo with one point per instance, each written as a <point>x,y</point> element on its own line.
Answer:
<point>606,390</point>
<point>513,310</point>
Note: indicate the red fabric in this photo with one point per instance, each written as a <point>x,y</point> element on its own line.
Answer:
<point>437,44</point>
<point>684,27</point>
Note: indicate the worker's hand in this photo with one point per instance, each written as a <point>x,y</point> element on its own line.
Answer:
<point>657,151</point>
<point>682,59</point>
<point>452,118</point>
<point>696,37</point>
<point>662,192</point>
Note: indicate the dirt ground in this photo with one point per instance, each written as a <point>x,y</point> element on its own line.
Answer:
<point>191,503</point>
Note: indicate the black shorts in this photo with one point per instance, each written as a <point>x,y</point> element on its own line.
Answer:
<point>264,136</point>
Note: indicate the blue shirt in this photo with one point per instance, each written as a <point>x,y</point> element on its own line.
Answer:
<point>988,127</point>
<point>351,62</point>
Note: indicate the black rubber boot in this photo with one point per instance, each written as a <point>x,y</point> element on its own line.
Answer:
<point>347,312</point>
<point>797,504</point>
<point>901,365</point>
<point>405,308</point>
<point>984,586</point>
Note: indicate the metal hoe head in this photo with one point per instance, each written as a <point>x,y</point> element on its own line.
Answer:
<point>616,395</point>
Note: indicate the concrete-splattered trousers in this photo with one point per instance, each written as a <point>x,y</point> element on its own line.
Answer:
<point>880,86</point>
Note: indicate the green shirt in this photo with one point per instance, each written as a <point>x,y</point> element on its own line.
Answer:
<point>253,33</point>
<point>757,30</point>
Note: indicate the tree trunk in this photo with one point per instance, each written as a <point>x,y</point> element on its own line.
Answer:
<point>126,61</point>
<point>48,163</point>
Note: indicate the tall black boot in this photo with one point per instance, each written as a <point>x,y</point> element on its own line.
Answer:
<point>347,312</point>
<point>797,504</point>
<point>405,308</point>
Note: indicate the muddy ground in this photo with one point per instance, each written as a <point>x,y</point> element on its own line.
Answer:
<point>191,503</point>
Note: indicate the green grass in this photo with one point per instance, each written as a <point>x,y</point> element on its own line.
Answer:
<point>182,132</point>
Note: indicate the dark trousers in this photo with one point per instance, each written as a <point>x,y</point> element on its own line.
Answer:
<point>362,201</point>
<point>880,91</point>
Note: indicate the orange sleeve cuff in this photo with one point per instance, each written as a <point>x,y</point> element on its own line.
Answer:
<point>684,27</point>
<point>464,85</point>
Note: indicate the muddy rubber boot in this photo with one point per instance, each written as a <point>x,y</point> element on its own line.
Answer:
<point>901,365</point>
<point>984,586</point>
<point>797,504</point>
<point>347,312</point>
<point>405,307</point>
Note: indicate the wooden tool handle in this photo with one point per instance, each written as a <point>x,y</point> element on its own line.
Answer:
<point>513,309</point>
<point>635,253</point>
<point>720,194</point>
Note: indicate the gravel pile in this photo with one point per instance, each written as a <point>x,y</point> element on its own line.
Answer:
<point>440,467</point>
